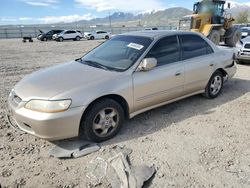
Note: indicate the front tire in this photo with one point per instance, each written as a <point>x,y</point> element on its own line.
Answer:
<point>214,86</point>
<point>60,39</point>
<point>214,36</point>
<point>92,38</point>
<point>45,39</point>
<point>236,36</point>
<point>102,121</point>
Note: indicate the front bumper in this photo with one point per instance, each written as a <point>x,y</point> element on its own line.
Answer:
<point>49,126</point>
<point>242,56</point>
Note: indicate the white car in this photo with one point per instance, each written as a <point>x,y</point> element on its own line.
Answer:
<point>98,35</point>
<point>68,35</point>
<point>245,32</point>
<point>243,55</point>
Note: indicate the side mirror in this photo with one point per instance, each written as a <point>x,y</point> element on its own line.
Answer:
<point>147,64</point>
<point>229,5</point>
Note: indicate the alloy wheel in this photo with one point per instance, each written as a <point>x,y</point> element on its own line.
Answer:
<point>216,85</point>
<point>105,122</point>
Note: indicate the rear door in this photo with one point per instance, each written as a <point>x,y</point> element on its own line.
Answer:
<point>164,82</point>
<point>72,34</point>
<point>198,60</point>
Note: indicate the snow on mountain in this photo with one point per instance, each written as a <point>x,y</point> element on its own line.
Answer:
<point>237,5</point>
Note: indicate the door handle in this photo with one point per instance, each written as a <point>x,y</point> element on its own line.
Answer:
<point>211,65</point>
<point>177,73</point>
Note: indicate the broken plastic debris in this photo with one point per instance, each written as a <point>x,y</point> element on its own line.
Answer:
<point>117,170</point>
<point>96,170</point>
<point>130,176</point>
<point>75,149</point>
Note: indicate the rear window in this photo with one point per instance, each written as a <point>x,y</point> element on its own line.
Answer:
<point>194,46</point>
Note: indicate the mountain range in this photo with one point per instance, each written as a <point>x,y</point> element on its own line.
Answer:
<point>153,18</point>
<point>156,18</point>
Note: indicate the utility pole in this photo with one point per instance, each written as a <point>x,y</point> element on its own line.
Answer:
<point>110,22</point>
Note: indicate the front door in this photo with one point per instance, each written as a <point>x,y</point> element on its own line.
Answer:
<point>164,82</point>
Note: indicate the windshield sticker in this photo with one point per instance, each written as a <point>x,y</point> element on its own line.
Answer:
<point>135,46</point>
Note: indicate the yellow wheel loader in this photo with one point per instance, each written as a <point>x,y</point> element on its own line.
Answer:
<point>210,19</point>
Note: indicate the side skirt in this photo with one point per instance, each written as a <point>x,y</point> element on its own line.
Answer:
<point>164,103</point>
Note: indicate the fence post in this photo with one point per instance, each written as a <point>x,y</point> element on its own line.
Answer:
<point>21,32</point>
<point>6,33</point>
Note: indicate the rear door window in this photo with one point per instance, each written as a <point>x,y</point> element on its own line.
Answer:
<point>194,46</point>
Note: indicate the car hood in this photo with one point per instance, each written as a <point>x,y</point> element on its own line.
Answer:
<point>49,82</point>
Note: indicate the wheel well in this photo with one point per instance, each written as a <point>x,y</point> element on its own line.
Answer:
<point>224,73</point>
<point>119,99</point>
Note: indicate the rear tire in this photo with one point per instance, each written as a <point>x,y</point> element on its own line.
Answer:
<point>78,38</point>
<point>214,85</point>
<point>102,121</point>
<point>235,37</point>
<point>214,36</point>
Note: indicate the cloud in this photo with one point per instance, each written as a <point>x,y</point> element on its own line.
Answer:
<point>65,19</point>
<point>43,3</point>
<point>122,5</point>
<point>25,18</point>
<point>8,19</point>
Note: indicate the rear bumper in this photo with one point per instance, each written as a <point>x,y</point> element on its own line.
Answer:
<point>49,126</point>
<point>231,70</point>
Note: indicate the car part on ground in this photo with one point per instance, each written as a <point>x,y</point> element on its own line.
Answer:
<point>73,149</point>
<point>210,19</point>
<point>117,170</point>
<point>148,69</point>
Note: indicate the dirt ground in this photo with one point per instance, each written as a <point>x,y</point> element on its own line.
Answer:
<point>195,142</point>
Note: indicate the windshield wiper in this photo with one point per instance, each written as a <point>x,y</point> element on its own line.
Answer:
<point>96,64</point>
<point>79,59</point>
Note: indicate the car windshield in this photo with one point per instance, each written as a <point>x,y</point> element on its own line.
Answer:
<point>245,30</point>
<point>118,53</point>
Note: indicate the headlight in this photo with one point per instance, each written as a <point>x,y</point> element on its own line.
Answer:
<point>48,106</point>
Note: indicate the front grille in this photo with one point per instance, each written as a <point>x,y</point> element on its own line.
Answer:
<point>246,51</point>
<point>247,46</point>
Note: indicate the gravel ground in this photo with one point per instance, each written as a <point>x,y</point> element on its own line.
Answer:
<point>195,142</point>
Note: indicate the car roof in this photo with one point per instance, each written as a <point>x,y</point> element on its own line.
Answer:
<point>157,33</point>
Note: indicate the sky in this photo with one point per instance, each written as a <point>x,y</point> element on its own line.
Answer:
<point>52,11</point>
